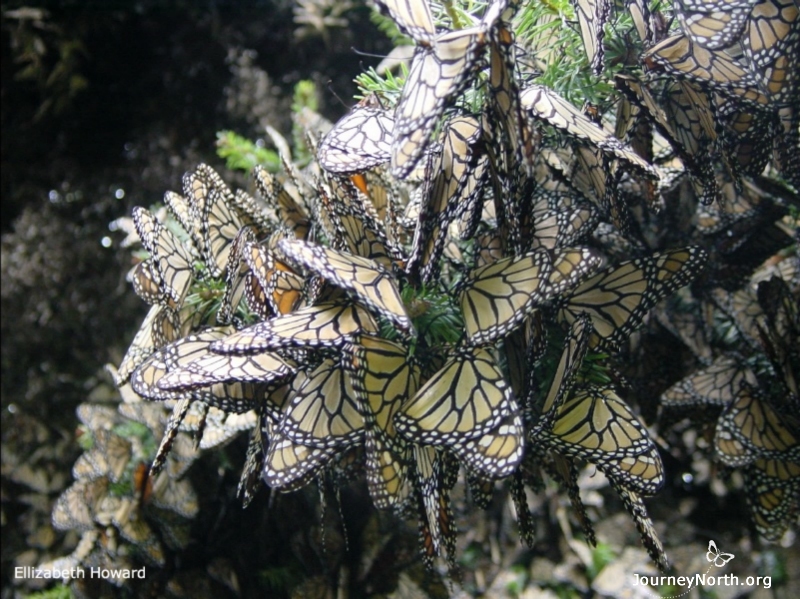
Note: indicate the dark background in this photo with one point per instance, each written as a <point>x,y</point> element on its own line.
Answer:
<point>101,99</point>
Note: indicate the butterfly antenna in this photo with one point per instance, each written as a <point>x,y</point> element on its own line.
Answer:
<point>337,96</point>
<point>358,52</point>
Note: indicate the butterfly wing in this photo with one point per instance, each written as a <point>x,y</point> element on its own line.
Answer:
<point>467,398</point>
<point>618,298</point>
<point>373,284</point>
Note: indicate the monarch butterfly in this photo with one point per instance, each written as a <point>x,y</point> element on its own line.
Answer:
<point>716,70</point>
<point>772,488</point>
<point>469,213</point>
<point>437,524</point>
<point>570,265</point>
<point>505,96</point>
<point>595,425</point>
<point>172,261</point>
<point>554,225</point>
<point>481,489</point>
<point>525,524</point>
<point>359,141</point>
<point>564,470</point>
<point>146,282</point>
<point>689,127</point>
<point>749,429</point>
<point>373,284</point>
<point>547,105</point>
<point>413,17</point>
<point>451,181</point>
<point>96,417</point>
<point>385,197</point>
<point>712,27</point>
<point>284,291</point>
<point>282,288</point>
<point>322,409</point>
<point>617,298</point>
<point>689,108</point>
<point>116,452</point>
<point>179,411</point>
<point>512,144</point>
<point>220,223</point>
<point>438,74</point>
<point>216,217</point>
<point>250,479</point>
<point>235,275</point>
<point>174,495</point>
<point>642,20</point>
<point>122,513</point>
<point>596,177</point>
<point>467,398</point>
<point>781,331</point>
<point>523,350</point>
<point>118,511</point>
<point>497,297</point>
<point>292,215</point>
<point>324,325</point>
<point>160,326</point>
<point>89,466</point>
<point>182,454</point>
<point>289,466</point>
<point>638,511</point>
<point>714,5</point>
<point>747,137</point>
<point>743,310</point>
<point>222,426</point>
<point>147,376</point>
<point>212,180</point>
<point>488,248</point>
<point>216,368</point>
<point>738,205</point>
<point>108,457</point>
<point>508,182</point>
<point>195,190</point>
<point>252,213</point>
<point>635,128</point>
<point>717,385</point>
<point>495,454</point>
<point>575,345</point>
<point>231,397</point>
<point>75,507</point>
<point>592,17</point>
<point>355,230</point>
<point>383,379</point>
<point>770,47</point>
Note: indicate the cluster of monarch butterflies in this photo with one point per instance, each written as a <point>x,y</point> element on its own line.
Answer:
<point>124,518</point>
<point>754,421</point>
<point>450,285</point>
<point>733,90</point>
